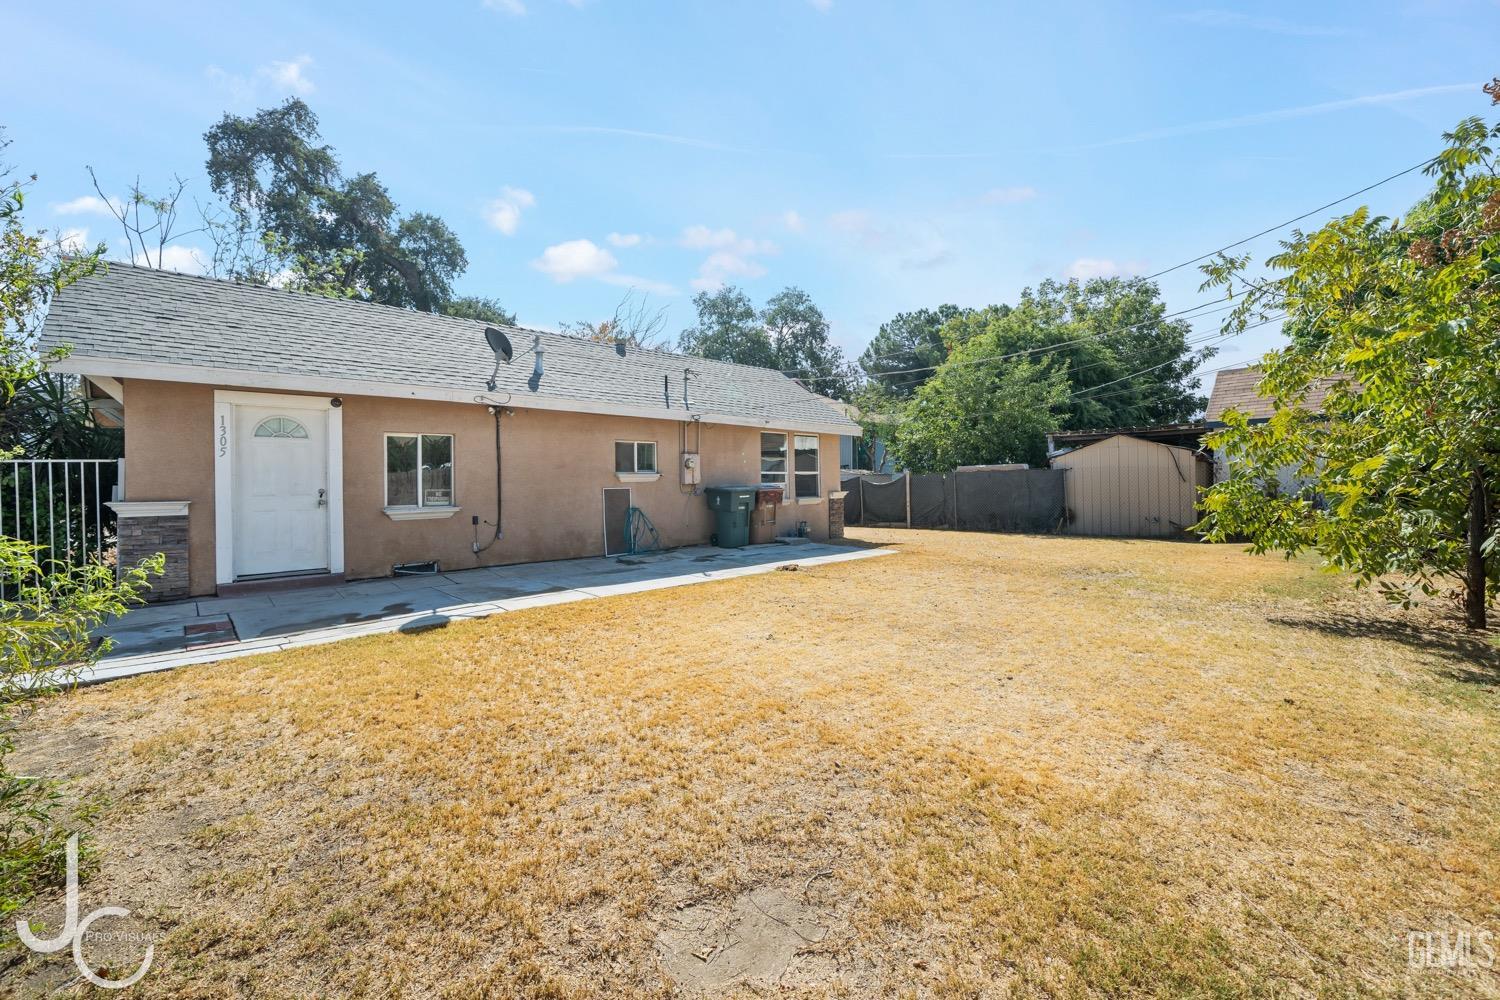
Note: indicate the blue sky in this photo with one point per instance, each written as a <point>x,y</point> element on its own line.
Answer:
<point>884,156</point>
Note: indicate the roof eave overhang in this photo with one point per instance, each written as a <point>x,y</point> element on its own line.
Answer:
<point>94,366</point>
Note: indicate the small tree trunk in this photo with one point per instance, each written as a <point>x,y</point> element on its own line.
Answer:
<point>1474,577</point>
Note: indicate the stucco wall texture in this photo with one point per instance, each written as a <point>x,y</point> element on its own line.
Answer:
<point>555,466</point>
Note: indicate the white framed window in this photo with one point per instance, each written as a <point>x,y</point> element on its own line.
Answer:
<point>805,462</point>
<point>773,468</point>
<point>419,471</point>
<point>632,457</point>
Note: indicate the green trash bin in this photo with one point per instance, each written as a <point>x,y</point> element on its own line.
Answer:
<point>731,506</point>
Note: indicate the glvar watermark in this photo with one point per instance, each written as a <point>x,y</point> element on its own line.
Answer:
<point>1450,949</point>
<point>75,931</point>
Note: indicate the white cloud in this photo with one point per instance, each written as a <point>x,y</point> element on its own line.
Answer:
<point>1085,268</point>
<point>721,265</point>
<point>290,75</point>
<point>277,77</point>
<point>74,240</point>
<point>86,205</point>
<point>186,260</point>
<point>704,238</point>
<point>793,221</point>
<point>504,213</point>
<point>823,5</point>
<point>1008,195</point>
<point>574,259</point>
<point>513,7</point>
<point>564,262</point>
<point>624,240</point>
<point>731,256</point>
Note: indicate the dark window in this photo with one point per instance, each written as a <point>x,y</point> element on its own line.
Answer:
<point>419,470</point>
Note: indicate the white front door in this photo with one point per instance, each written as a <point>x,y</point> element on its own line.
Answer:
<point>281,490</point>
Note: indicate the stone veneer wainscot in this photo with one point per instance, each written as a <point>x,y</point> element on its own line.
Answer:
<point>146,527</point>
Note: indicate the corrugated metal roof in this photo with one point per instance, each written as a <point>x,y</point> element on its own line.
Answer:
<point>135,321</point>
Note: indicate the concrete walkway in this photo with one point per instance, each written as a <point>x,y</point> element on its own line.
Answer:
<point>163,636</point>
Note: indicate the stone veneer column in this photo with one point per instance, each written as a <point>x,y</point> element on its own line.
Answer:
<point>146,527</point>
<point>836,514</point>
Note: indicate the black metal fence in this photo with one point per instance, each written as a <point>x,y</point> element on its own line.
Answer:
<point>1017,500</point>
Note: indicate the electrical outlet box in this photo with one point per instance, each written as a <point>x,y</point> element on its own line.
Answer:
<point>692,469</point>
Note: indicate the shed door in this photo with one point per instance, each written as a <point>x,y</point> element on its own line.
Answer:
<point>616,503</point>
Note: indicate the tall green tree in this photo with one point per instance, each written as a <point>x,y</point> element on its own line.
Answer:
<point>1125,362</point>
<point>790,334</point>
<point>1068,355</point>
<point>728,329</point>
<point>907,349</point>
<point>1401,323</point>
<point>481,308</point>
<point>801,345</point>
<point>285,191</point>
<point>977,414</point>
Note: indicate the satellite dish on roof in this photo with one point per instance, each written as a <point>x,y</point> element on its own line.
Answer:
<point>499,343</point>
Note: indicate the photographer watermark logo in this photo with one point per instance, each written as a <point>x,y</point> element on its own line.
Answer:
<point>75,931</point>
<point>1450,949</point>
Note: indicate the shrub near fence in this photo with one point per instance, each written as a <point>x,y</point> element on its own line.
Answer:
<point>1018,500</point>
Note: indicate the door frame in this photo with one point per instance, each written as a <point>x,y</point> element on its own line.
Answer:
<point>225,401</point>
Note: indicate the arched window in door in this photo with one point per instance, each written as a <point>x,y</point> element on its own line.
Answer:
<point>280,427</point>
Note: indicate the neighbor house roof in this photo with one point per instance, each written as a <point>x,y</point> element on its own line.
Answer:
<point>135,322</point>
<point>1237,389</point>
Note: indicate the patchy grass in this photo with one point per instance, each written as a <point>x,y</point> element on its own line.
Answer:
<point>986,765</point>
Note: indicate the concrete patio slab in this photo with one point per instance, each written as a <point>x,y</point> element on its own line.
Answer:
<point>161,637</point>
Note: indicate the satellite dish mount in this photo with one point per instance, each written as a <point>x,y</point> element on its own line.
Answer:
<point>500,344</point>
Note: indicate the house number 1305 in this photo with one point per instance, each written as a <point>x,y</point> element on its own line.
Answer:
<point>223,436</point>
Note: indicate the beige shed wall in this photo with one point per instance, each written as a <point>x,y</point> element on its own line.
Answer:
<point>555,467</point>
<point>1123,486</point>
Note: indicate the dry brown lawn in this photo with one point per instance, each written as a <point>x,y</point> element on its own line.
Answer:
<point>988,765</point>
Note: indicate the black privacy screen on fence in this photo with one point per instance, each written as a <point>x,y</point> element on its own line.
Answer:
<point>1029,500</point>
<point>932,501</point>
<point>1020,500</point>
<point>883,503</point>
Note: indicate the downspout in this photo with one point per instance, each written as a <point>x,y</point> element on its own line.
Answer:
<point>499,487</point>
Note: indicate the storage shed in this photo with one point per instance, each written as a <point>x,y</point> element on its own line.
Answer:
<point>1126,487</point>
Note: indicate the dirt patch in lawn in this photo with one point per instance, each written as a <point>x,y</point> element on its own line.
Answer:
<point>985,765</point>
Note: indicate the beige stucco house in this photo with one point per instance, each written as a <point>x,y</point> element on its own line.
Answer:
<point>282,436</point>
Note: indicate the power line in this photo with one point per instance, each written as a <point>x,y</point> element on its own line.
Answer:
<point>1156,274</point>
<point>1044,347</point>
<point>1124,378</point>
<point>1304,215</point>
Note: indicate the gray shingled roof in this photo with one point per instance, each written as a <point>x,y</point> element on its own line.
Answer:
<point>134,321</point>
<point>1238,389</point>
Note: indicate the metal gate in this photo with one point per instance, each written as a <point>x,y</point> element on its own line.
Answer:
<point>60,506</point>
